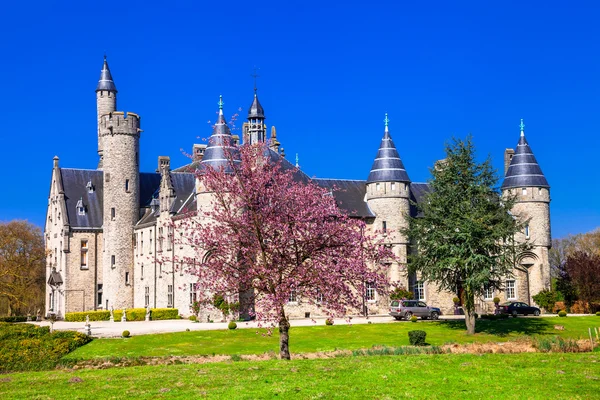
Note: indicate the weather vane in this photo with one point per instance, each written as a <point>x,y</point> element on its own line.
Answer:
<point>221,102</point>
<point>386,120</point>
<point>522,126</point>
<point>255,75</point>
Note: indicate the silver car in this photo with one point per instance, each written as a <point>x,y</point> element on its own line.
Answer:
<point>404,309</point>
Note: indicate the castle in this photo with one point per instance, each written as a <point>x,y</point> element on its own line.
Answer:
<point>107,229</point>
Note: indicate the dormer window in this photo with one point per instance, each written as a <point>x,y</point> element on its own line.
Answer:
<point>90,187</point>
<point>80,207</point>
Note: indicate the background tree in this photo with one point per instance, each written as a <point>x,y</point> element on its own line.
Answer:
<point>22,268</point>
<point>272,232</point>
<point>583,269</point>
<point>465,236</point>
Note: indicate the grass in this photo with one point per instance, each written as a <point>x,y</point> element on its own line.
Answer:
<point>447,376</point>
<point>328,338</point>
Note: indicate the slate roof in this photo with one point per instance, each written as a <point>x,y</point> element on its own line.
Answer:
<point>220,147</point>
<point>349,195</point>
<point>106,81</point>
<point>388,166</point>
<point>524,169</point>
<point>417,195</point>
<point>55,279</point>
<point>74,184</point>
<point>256,110</point>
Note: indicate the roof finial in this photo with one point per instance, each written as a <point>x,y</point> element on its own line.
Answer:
<point>297,165</point>
<point>386,121</point>
<point>221,104</point>
<point>522,126</point>
<point>104,55</point>
<point>255,75</point>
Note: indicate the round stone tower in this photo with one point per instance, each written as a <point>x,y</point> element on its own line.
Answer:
<point>120,134</point>
<point>388,194</point>
<point>106,102</point>
<point>525,182</point>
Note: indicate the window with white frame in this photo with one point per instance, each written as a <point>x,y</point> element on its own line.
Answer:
<point>419,290</point>
<point>524,191</point>
<point>293,296</point>
<point>169,296</point>
<point>146,296</point>
<point>370,291</point>
<point>488,292</point>
<point>511,292</point>
<point>192,293</point>
<point>319,296</point>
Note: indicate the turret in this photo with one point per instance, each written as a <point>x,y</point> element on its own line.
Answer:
<point>255,130</point>
<point>106,102</point>
<point>120,135</point>
<point>525,181</point>
<point>388,193</point>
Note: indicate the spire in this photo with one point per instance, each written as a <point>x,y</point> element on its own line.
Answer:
<point>297,165</point>
<point>221,145</point>
<point>524,169</point>
<point>106,81</point>
<point>388,166</point>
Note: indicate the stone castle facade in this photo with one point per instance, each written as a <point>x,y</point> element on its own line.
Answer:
<point>109,231</point>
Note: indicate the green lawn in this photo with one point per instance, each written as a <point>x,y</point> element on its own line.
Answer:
<point>327,338</point>
<point>448,376</point>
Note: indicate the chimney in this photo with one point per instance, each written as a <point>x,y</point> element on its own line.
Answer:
<point>164,162</point>
<point>508,155</point>
<point>198,152</point>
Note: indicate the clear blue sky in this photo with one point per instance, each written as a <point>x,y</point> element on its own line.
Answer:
<point>328,73</point>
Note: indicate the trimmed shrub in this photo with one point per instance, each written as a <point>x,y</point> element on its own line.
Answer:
<point>562,313</point>
<point>193,318</point>
<point>329,321</point>
<point>94,316</point>
<point>14,318</point>
<point>133,314</point>
<point>126,333</point>
<point>232,325</point>
<point>597,313</point>
<point>496,300</point>
<point>413,318</point>
<point>417,338</point>
<point>27,347</point>
<point>546,299</point>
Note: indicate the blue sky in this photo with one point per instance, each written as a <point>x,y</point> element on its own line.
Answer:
<point>328,73</point>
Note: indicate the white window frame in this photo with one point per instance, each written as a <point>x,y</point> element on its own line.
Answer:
<point>293,297</point>
<point>370,292</point>
<point>419,290</point>
<point>146,296</point>
<point>488,292</point>
<point>170,299</point>
<point>513,289</point>
<point>84,254</point>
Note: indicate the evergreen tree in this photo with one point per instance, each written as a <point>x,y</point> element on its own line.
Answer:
<point>465,231</point>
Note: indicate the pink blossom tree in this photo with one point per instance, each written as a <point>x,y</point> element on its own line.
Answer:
<point>269,231</point>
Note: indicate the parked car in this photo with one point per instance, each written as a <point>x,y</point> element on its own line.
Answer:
<point>515,308</point>
<point>404,309</point>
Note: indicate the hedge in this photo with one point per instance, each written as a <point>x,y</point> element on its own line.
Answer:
<point>27,347</point>
<point>19,318</point>
<point>133,314</point>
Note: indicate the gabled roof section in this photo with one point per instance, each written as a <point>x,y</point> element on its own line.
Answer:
<point>418,191</point>
<point>106,81</point>
<point>388,166</point>
<point>349,196</point>
<point>524,170</point>
<point>184,185</point>
<point>75,184</point>
<point>55,279</point>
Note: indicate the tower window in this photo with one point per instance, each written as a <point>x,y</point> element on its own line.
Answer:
<point>112,261</point>
<point>127,185</point>
<point>112,213</point>
<point>141,271</point>
<point>524,191</point>
<point>127,278</point>
<point>377,186</point>
<point>84,254</point>
<point>384,226</point>
<point>527,231</point>
<point>393,186</point>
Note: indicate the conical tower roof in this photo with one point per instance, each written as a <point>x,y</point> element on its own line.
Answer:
<point>221,146</point>
<point>388,166</point>
<point>524,170</point>
<point>106,81</point>
<point>256,110</point>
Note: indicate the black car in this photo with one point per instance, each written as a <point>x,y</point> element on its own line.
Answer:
<point>515,308</point>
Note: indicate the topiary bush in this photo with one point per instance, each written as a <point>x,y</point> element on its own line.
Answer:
<point>597,313</point>
<point>329,321</point>
<point>413,318</point>
<point>232,325</point>
<point>417,338</point>
<point>562,313</point>
<point>126,333</point>
<point>193,318</point>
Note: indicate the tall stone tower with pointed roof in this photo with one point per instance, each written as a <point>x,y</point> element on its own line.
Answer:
<point>388,194</point>
<point>106,102</point>
<point>118,142</point>
<point>525,181</point>
<point>255,130</point>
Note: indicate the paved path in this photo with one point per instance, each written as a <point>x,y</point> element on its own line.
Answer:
<point>115,329</point>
